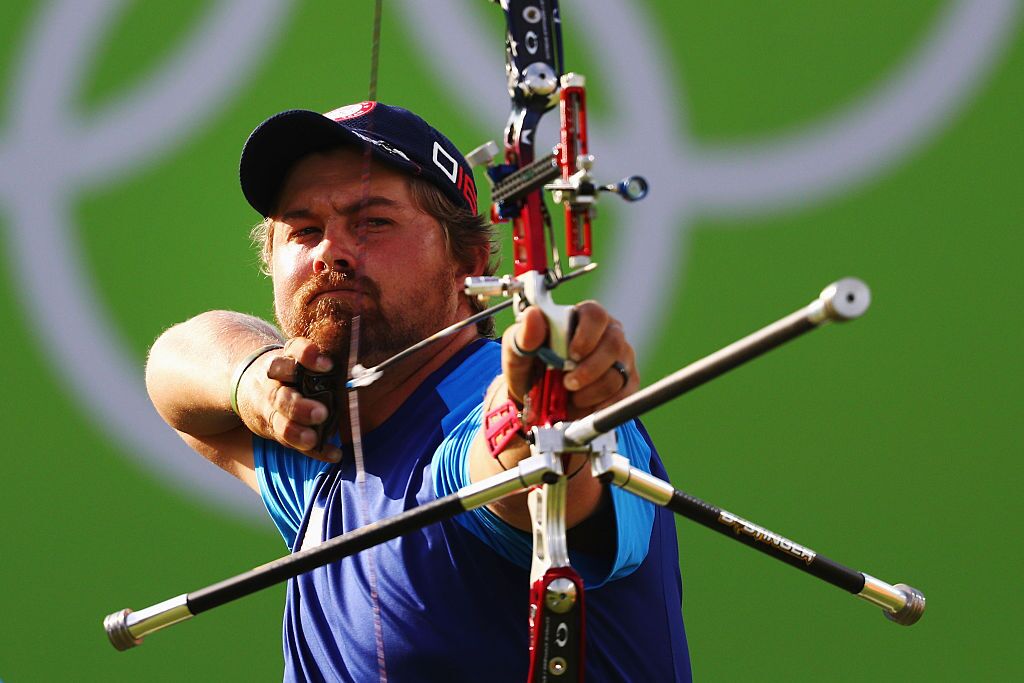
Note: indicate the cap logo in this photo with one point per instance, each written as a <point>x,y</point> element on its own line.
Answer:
<point>383,145</point>
<point>351,111</point>
<point>453,172</point>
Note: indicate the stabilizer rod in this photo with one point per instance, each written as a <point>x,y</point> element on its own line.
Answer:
<point>845,299</point>
<point>127,628</point>
<point>901,603</point>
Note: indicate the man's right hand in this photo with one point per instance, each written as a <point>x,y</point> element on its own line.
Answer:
<point>270,408</point>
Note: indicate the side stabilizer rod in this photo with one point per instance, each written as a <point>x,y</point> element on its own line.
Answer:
<point>901,604</point>
<point>842,300</point>
<point>126,628</point>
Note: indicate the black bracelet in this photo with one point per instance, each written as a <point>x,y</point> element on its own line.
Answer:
<point>240,369</point>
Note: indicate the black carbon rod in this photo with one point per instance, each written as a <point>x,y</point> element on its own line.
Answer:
<point>329,551</point>
<point>901,603</point>
<point>843,300</point>
<point>127,628</point>
<point>768,542</point>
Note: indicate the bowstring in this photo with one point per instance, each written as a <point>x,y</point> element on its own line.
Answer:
<point>353,359</point>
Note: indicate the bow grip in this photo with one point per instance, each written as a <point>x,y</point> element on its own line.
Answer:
<point>322,387</point>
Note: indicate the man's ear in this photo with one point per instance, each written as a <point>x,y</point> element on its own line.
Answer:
<point>478,266</point>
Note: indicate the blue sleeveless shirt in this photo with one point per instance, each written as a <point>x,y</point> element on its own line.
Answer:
<point>454,597</point>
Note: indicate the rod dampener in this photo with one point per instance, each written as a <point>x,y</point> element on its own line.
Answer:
<point>127,628</point>
<point>901,604</point>
<point>912,611</point>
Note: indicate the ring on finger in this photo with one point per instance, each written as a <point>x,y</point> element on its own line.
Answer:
<point>621,369</point>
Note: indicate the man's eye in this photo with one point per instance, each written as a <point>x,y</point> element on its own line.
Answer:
<point>305,232</point>
<point>375,223</point>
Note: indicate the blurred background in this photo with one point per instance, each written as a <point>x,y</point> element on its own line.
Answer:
<point>787,144</point>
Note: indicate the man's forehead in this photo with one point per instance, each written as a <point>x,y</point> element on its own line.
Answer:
<point>339,160</point>
<point>374,201</point>
<point>342,170</point>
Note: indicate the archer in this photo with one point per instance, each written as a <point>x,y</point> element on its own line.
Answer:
<point>367,238</point>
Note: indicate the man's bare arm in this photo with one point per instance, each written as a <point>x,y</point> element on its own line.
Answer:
<point>189,378</point>
<point>190,366</point>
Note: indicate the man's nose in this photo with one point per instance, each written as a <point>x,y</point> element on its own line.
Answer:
<point>336,251</point>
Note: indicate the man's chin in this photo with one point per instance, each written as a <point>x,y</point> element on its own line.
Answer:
<point>329,326</point>
<point>332,337</point>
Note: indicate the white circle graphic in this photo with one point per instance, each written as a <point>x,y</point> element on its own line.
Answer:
<point>688,178</point>
<point>59,154</point>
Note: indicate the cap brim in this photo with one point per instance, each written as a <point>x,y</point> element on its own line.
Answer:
<point>280,141</point>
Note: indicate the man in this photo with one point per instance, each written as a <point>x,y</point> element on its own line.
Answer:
<point>371,212</point>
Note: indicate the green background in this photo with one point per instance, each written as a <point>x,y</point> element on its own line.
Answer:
<point>890,445</point>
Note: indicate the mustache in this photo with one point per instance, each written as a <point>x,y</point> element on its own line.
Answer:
<point>335,280</point>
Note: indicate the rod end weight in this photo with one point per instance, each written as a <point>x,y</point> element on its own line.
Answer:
<point>846,299</point>
<point>116,626</point>
<point>912,611</point>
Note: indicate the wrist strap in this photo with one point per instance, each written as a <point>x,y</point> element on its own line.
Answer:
<point>501,425</point>
<point>240,369</point>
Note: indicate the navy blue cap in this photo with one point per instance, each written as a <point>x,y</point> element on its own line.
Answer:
<point>395,136</point>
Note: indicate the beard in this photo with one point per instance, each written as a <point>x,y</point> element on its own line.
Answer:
<point>328,321</point>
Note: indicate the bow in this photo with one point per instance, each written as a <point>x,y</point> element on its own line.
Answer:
<point>536,85</point>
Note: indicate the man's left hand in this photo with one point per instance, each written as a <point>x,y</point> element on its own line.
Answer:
<point>605,363</point>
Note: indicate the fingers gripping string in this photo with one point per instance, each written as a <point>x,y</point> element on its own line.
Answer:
<point>370,557</point>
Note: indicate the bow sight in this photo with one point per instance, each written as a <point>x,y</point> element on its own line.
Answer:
<point>565,173</point>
